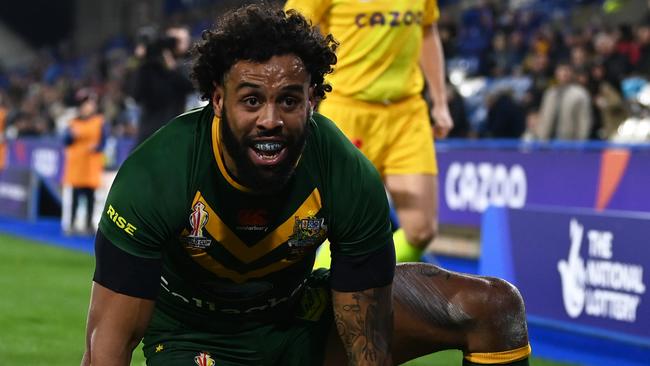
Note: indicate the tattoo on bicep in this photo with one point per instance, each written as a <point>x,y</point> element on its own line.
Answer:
<point>365,324</point>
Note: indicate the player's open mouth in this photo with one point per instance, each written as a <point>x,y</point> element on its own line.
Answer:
<point>268,152</point>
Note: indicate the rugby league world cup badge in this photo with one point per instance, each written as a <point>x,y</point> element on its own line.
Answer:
<point>198,220</point>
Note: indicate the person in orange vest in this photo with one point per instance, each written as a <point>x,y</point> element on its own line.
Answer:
<point>84,138</point>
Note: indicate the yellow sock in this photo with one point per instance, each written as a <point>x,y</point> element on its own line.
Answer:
<point>515,357</point>
<point>404,251</point>
<point>323,257</point>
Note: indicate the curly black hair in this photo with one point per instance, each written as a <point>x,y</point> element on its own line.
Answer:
<point>257,33</point>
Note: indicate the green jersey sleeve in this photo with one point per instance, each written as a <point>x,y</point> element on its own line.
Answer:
<point>359,211</point>
<point>145,205</point>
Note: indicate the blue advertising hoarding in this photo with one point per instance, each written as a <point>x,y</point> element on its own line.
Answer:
<point>472,174</point>
<point>579,268</point>
<point>46,156</point>
<point>471,179</point>
<point>17,196</point>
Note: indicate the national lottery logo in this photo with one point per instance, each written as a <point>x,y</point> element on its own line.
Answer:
<point>599,286</point>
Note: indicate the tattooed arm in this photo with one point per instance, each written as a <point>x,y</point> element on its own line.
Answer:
<point>364,321</point>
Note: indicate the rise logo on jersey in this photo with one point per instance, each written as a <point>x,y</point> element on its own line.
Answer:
<point>120,221</point>
<point>390,18</point>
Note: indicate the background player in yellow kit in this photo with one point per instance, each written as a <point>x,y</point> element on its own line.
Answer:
<point>387,49</point>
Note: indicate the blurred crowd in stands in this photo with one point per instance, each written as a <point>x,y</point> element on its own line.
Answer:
<point>567,81</point>
<point>140,80</point>
<point>136,83</point>
<point>525,71</point>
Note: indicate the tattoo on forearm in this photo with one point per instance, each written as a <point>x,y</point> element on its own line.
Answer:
<point>365,323</point>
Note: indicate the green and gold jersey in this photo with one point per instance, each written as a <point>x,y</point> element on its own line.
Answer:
<point>231,254</point>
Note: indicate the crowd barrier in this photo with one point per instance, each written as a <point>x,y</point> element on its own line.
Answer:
<point>35,165</point>
<point>18,194</point>
<point>578,270</point>
<point>473,174</point>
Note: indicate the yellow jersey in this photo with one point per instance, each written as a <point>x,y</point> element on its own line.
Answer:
<point>381,43</point>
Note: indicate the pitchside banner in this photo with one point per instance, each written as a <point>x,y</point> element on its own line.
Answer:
<point>17,193</point>
<point>579,268</point>
<point>473,178</point>
<point>45,156</point>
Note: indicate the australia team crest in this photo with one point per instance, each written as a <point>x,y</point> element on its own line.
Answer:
<point>307,233</point>
<point>198,219</point>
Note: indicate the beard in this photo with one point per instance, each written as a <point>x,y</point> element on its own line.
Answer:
<point>265,179</point>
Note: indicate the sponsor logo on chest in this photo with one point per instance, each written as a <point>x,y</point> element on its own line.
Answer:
<point>252,220</point>
<point>394,18</point>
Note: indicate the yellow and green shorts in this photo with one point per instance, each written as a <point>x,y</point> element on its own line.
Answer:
<point>395,136</point>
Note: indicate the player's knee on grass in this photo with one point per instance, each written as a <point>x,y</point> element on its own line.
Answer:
<point>482,316</point>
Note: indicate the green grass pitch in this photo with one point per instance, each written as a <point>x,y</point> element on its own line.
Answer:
<point>44,292</point>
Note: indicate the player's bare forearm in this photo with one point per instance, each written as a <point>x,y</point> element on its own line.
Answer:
<point>116,324</point>
<point>106,350</point>
<point>364,321</point>
<point>107,359</point>
<point>432,62</point>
